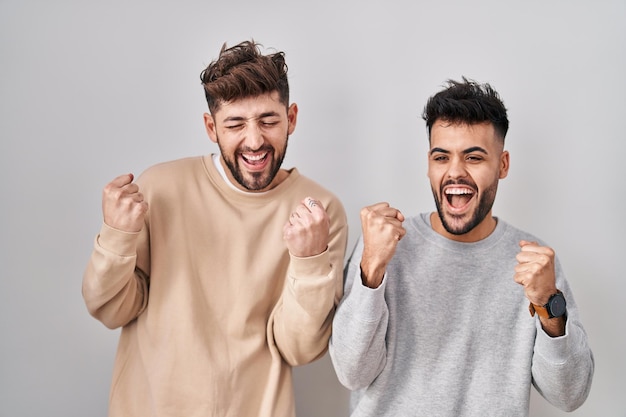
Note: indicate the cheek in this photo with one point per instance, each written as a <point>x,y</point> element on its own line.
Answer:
<point>435,176</point>
<point>485,180</point>
<point>435,185</point>
<point>226,143</point>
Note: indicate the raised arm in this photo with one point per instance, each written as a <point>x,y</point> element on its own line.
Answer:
<point>115,288</point>
<point>316,238</point>
<point>358,343</point>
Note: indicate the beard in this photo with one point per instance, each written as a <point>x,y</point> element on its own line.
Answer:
<point>255,181</point>
<point>485,204</point>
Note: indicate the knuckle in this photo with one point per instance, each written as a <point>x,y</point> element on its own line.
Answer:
<point>109,189</point>
<point>544,259</point>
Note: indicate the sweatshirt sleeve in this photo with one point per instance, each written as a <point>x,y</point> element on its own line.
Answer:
<point>115,290</point>
<point>357,346</point>
<point>302,320</point>
<point>563,367</point>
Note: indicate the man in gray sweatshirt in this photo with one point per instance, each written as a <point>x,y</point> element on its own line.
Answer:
<point>456,313</point>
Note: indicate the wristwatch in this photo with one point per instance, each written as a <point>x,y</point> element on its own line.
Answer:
<point>555,307</point>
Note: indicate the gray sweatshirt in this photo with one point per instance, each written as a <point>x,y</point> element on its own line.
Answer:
<point>448,333</point>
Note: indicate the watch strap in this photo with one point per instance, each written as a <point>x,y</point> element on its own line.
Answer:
<point>540,310</point>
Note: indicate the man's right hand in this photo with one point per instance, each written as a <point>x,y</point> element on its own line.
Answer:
<point>123,206</point>
<point>382,230</point>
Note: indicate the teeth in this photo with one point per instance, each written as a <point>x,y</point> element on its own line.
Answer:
<point>255,157</point>
<point>459,191</point>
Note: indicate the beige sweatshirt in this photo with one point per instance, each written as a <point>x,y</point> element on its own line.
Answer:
<point>214,310</point>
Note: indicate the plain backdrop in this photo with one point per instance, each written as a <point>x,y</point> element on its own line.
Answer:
<point>93,89</point>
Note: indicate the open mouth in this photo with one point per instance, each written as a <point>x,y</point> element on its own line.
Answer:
<point>458,197</point>
<point>256,159</point>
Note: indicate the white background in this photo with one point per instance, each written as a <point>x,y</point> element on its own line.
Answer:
<point>93,89</point>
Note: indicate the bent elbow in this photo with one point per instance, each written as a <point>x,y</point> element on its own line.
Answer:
<point>303,355</point>
<point>351,382</point>
<point>355,374</point>
<point>112,313</point>
<point>111,321</point>
<point>577,398</point>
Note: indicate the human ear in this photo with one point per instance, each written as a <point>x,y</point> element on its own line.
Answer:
<point>292,118</point>
<point>504,164</point>
<point>209,125</point>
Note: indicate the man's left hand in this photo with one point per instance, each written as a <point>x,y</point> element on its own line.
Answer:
<point>307,230</point>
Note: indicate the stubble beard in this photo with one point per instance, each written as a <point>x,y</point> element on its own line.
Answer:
<point>485,204</point>
<point>258,180</point>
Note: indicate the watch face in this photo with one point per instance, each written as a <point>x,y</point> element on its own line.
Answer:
<point>556,305</point>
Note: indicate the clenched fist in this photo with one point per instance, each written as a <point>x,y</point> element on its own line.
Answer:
<point>535,272</point>
<point>123,206</point>
<point>307,230</point>
<point>382,230</point>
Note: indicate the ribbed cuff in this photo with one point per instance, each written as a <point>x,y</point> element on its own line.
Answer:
<point>117,241</point>
<point>371,301</point>
<point>317,265</point>
<point>553,349</point>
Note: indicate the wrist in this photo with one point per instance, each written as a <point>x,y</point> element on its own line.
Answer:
<point>371,276</point>
<point>555,307</point>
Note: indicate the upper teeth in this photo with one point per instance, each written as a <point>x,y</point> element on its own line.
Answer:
<point>255,157</point>
<point>458,191</point>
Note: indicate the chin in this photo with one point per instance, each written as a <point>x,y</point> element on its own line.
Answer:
<point>457,225</point>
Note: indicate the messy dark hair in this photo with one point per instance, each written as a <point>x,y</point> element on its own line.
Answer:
<point>467,102</point>
<point>242,71</point>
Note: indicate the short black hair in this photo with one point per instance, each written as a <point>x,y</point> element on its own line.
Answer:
<point>467,102</point>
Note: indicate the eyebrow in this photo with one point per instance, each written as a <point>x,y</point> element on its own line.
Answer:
<point>465,152</point>
<point>260,116</point>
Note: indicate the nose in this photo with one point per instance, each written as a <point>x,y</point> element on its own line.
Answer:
<point>456,168</point>
<point>253,136</point>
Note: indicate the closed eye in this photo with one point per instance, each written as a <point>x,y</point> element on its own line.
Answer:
<point>269,120</point>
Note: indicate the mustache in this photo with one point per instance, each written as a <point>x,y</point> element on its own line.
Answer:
<point>461,181</point>
<point>262,148</point>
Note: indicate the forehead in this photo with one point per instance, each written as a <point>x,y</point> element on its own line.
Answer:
<point>461,136</point>
<point>251,107</point>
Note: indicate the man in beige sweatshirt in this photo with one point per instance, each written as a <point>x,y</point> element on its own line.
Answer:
<point>222,270</point>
